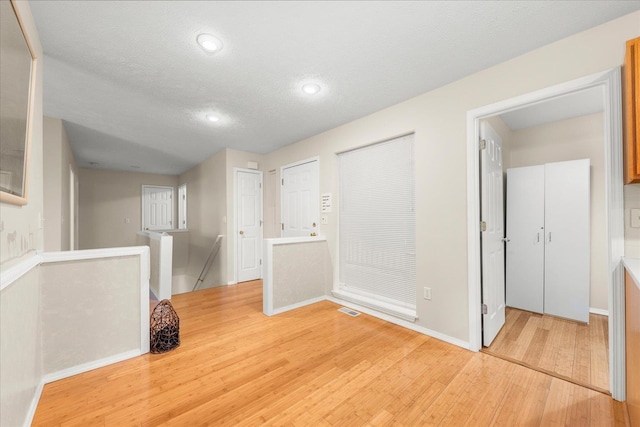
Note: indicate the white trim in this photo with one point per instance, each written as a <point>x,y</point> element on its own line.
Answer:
<point>89,366</point>
<point>600,311</point>
<point>235,220</point>
<point>401,322</point>
<point>145,274</point>
<point>610,82</point>
<point>232,282</point>
<point>10,275</point>
<point>291,165</point>
<point>297,305</point>
<point>179,202</point>
<point>33,406</point>
<point>92,254</point>
<point>267,281</point>
<point>391,309</point>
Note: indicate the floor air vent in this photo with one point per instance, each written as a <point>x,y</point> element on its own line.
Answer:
<point>348,311</point>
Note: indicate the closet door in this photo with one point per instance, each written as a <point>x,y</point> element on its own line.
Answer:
<point>525,234</point>
<point>567,240</point>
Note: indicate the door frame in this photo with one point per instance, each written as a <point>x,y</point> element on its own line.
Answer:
<point>291,165</point>
<point>610,82</point>
<point>143,210</point>
<point>236,248</point>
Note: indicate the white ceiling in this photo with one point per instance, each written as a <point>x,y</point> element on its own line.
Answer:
<point>133,87</point>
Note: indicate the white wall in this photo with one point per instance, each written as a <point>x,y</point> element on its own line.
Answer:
<point>573,139</point>
<point>438,119</point>
<point>107,199</point>
<point>58,159</point>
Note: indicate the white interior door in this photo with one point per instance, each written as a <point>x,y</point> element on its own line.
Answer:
<point>525,234</point>
<point>300,200</point>
<point>157,207</point>
<point>567,243</point>
<point>249,224</point>
<point>182,206</point>
<point>492,244</point>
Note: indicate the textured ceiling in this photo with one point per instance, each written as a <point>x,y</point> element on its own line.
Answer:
<point>133,87</point>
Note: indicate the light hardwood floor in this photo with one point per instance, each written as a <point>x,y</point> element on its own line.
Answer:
<point>569,349</point>
<point>313,366</point>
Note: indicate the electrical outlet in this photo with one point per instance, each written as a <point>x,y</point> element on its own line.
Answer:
<point>427,293</point>
<point>635,218</point>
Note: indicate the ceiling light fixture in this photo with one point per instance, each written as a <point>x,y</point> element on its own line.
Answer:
<point>311,88</point>
<point>209,42</point>
<point>213,118</point>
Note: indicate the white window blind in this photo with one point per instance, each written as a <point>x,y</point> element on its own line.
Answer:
<point>377,226</point>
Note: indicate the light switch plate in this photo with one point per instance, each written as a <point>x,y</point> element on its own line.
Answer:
<point>635,218</point>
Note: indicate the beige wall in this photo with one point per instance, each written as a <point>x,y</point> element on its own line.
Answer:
<point>20,230</point>
<point>206,216</point>
<point>20,347</point>
<point>58,161</point>
<point>107,199</point>
<point>81,323</point>
<point>438,119</point>
<point>573,139</point>
<point>210,211</point>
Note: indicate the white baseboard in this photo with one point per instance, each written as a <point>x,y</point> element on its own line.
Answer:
<point>297,305</point>
<point>599,311</point>
<point>79,369</point>
<point>401,322</point>
<point>34,404</point>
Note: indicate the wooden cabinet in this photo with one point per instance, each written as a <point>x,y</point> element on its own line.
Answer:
<point>632,112</point>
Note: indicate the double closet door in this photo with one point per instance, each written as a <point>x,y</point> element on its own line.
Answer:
<point>548,239</point>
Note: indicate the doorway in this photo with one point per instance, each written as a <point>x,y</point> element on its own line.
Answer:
<point>609,83</point>
<point>248,202</point>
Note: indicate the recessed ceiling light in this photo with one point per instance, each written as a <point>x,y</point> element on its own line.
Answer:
<point>209,42</point>
<point>311,88</point>
<point>213,118</point>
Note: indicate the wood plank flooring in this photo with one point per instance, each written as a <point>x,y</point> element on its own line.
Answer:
<point>313,366</point>
<point>570,349</point>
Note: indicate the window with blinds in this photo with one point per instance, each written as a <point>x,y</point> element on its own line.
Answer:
<point>377,227</point>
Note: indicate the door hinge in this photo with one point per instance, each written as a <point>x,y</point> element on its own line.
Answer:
<point>260,184</point>
<point>483,144</point>
<point>282,181</point>
<point>483,225</point>
<point>282,225</point>
<point>260,262</point>
<point>484,308</point>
